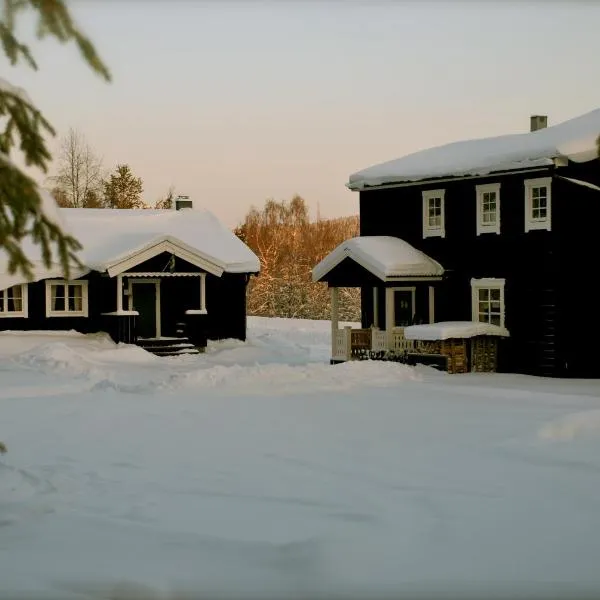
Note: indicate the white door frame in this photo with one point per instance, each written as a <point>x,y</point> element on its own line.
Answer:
<point>131,282</point>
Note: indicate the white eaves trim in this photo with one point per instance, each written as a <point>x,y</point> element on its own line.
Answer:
<point>168,244</point>
<point>580,182</point>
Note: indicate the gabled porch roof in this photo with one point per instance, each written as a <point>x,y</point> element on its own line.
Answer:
<point>387,258</point>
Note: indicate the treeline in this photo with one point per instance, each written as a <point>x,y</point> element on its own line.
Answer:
<point>82,182</point>
<point>289,245</point>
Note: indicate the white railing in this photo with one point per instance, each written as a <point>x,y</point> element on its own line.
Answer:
<point>351,343</point>
<point>398,343</point>
<point>342,344</point>
<point>379,340</point>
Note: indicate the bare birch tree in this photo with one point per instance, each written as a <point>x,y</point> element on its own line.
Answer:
<point>79,178</point>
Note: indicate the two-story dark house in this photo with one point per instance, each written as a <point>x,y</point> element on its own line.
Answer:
<point>512,221</point>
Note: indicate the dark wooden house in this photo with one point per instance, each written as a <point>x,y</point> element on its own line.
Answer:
<point>167,280</point>
<point>513,222</point>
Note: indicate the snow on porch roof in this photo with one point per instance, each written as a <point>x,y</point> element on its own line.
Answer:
<point>384,256</point>
<point>574,139</point>
<point>112,235</point>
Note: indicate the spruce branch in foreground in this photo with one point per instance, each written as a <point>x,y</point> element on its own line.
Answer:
<point>23,212</point>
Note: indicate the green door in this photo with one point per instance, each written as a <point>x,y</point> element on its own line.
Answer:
<point>144,301</point>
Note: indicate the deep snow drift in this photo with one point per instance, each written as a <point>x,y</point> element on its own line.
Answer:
<point>258,470</point>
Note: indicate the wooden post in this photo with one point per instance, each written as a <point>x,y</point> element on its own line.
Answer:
<point>348,340</point>
<point>334,316</point>
<point>202,291</point>
<point>431,304</point>
<point>375,308</point>
<point>119,293</point>
<point>389,314</point>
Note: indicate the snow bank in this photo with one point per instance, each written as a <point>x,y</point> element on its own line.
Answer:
<point>574,139</point>
<point>384,256</point>
<point>257,470</point>
<point>444,330</point>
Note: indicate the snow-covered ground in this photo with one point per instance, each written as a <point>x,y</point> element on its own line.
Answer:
<point>257,470</point>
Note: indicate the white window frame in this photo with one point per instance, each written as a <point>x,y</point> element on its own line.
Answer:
<point>482,284</point>
<point>428,230</point>
<point>530,222</point>
<point>481,190</point>
<point>17,314</point>
<point>67,313</point>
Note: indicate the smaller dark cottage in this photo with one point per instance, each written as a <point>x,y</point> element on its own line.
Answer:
<point>167,280</point>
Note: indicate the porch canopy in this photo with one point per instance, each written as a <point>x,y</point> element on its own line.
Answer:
<point>387,258</point>
<point>377,261</point>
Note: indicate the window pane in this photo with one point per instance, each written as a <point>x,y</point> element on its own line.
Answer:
<point>15,299</point>
<point>57,292</point>
<point>495,294</point>
<point>75,298</point>
<point>484,294</point>
<point>2,301</point>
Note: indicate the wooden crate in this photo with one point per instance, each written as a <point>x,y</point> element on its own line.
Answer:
<point>456,351</point>
<point>484,354</point>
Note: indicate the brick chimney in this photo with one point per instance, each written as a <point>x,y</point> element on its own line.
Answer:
<point>538,122</point>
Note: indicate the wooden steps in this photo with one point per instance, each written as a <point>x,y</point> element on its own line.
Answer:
<point>168,346</point>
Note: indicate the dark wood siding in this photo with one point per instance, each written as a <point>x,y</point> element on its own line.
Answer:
<point>536,265</point>
<point>226,306</point>
<point>577,212</point>
<point>225,302</point>
<point>100,300</point>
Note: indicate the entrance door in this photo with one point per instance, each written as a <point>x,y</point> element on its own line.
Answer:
<point>403,308</point>
<point>144,298</point>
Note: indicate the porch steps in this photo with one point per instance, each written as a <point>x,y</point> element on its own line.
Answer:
<point>168,346</point>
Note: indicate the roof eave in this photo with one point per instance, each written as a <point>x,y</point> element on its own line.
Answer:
<point>361,186</point>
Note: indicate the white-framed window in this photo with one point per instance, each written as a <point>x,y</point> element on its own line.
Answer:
<point>66,298</point>
<point>434,221</point>
<point>538,204</point>
<point>487,301</point>
<point>488,208</point>
<point>13,302</point>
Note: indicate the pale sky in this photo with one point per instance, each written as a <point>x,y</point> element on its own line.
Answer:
<point>237,102</point>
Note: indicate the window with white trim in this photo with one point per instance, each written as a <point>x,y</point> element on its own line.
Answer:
<point>13,301</point>
<point>488,208</point>
<point>487,303</point>
<point>538,204</point>
<point>66,298</point>
<point>433,213</point>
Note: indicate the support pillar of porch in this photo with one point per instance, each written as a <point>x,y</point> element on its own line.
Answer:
<point>334,316</point>
<point>375,307</point>
<point>119,293</point>
<point>335,309</point>
<point>431,304</point>
<point>389,311</point>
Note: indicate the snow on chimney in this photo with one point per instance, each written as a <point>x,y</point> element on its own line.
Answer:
<point>538,122</point>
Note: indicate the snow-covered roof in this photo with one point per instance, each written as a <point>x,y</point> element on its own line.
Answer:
<point>574,139</point>
<point>110,236</point>
<point>452,329</point>
<point>385,256</point>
